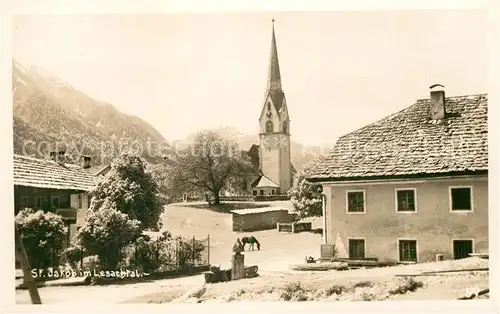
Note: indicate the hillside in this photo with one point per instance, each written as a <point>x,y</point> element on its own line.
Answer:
<point>301,154</point>
<point>50,114</point>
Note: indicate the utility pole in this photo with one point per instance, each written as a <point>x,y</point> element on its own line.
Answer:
<point>28,279</point>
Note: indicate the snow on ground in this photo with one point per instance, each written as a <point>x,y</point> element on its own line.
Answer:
<point>278,252</point>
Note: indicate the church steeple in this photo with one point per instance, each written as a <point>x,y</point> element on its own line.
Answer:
<point>274,129</point>
<point>274,76</point>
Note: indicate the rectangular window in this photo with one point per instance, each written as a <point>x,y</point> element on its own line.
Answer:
<point>408,250</point>
<point>355,201</point>
<point>254,192</point>
<point>461,198</point>
<point>356,249</point>
<point>272,192</point>
<point>462,248</point>
<point>80,201</point>
<point>64,201</point>
<point>406,200</point>
<point>54,201</point>
<point>23,202</point>
<point>261,192</point>
<point>39,200</point>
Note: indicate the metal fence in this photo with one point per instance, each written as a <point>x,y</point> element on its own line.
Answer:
<point>174,253</point>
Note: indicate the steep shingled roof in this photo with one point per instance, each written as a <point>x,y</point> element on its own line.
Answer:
<point>49,174</point>
<point>410,144</point>
<point>264,182</point>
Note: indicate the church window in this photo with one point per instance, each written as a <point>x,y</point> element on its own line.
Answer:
<point>269,127</point>
<point>285,127</point>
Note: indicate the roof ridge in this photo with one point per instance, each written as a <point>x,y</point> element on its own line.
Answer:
<point>398,112</point>
<point>66,165</point>
<point>457,96</point>
<point>405,143</point>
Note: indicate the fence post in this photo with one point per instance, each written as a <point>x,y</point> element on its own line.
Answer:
<point>193,250</point>
<point>81,258</point>
<point>177,259</point>
<point>208,251</point>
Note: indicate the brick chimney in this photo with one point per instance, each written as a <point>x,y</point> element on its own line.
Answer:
<point>53,156</point>
<point>85,162</point>
<point>438,105</point>
<point>61,156</point>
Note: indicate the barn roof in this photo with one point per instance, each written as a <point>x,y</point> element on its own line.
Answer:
<point>41,173</point>
<point>408,143</point>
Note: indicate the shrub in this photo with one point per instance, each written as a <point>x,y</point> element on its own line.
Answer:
<point>188,250</point>
<point>105,233</point>
<point>294,292</point>
<point>165,253</point>
<point>132,190</point>
<point>306,197</point>
<point>148,254</point>
<point>408,284</point>
<point>335,289</point>
<point>43,233</point>
<point>73,255</point>
<point>363,284</point>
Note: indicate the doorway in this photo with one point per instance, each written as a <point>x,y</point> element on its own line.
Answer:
<point>462,248</point>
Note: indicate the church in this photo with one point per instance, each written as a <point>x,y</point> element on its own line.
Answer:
<point>272,155</point>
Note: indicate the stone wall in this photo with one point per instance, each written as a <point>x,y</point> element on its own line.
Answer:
<point>261,220</point>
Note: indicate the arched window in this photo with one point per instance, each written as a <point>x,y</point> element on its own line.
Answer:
<point>268,106</point>
<point>269,127</point>
<point>285,127</point>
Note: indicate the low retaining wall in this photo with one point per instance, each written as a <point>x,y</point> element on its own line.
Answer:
<point>268,198</point>
<point>254,198</point>
<point>261,220</point>
<point>294,227</point>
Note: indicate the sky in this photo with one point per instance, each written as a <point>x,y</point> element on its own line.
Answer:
<point>186,72</point>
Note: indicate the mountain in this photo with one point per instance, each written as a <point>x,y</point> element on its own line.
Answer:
<point>50,114</point>
<point>301,154</point>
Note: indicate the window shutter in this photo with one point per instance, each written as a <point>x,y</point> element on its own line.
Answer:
<point>72,231</point>
<point>85,201</point>
<point>80,217</point>
<point>74,201</point>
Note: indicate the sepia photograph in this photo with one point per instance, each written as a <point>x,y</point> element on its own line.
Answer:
<point>272,156</point>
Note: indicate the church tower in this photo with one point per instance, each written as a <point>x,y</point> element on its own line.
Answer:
<point>274,124</point>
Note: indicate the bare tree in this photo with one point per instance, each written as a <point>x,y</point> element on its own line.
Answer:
<point>211,164</point>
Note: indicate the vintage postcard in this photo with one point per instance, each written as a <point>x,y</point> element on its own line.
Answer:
<point>266,156</point>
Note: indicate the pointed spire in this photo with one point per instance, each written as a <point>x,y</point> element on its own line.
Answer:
<point>274,77</point>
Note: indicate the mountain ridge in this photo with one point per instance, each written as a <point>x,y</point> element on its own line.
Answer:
<point>51,114</point>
